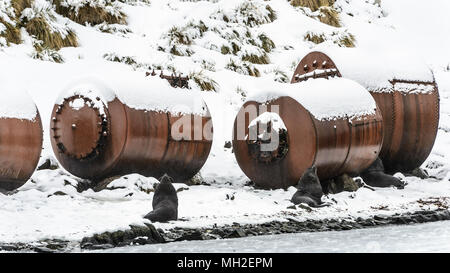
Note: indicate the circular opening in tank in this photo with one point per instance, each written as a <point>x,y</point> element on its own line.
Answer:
<point>268,138</point>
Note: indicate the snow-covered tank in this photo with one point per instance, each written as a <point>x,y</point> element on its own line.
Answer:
<point>20,137</point>
<point>404,89</point>
<point>138,126</point>
<point>333,124</point>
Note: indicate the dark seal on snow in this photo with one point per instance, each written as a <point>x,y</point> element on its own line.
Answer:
<point>309,190</point>
<point>376,177</point>
<point>165,201</point>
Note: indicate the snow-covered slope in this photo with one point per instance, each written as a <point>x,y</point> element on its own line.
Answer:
<point>215,40</point>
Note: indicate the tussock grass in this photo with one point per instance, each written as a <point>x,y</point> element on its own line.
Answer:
<point>315,38</point>
<point>347,40</point>
<point>179,39</point>
<point>341,38</point>
<point>91,14</point>
<point>272,14</point>
<point>241,92</point>
<point>244,68</point>
<point>112,57</point>
<point>181,51</point>
<point>266,43</point>
<point>256,59</point>
<point>200,27</point>
<point>11,33</point>
<point>313,5</point>
<point>280,76</point>
<point>46,54</point>
<point>136,2</point>
<point>225,50</point>
<point>20,5</point>
<point>41,30</point>
<point>122,30</point>
<point>40,23</point>
<point>329,16</point>
<point>252,15</point>
<point>178,36</point>
<point>235,48</point>
<point>204,82</point>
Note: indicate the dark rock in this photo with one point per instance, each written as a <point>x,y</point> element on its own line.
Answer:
<point>341,183</point>
<point>227,145</point>
<point>84,185</point>
<point>236,233</point>
<point>41,249</point>
<point>192,236</point>
<point>9,248</point>
<point>57,193</point>
<point>48,165</point>
<point>98,247</point>
<point>196,180</point>
<point>123,237</point>
<point>100,185</point>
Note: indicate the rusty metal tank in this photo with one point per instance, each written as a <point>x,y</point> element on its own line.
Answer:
<point>20,138</point>
<point>334,137</point>
<point>97,132</point>
<point>405,91</point>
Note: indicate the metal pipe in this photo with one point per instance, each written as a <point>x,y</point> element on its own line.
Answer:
<point>99,139</point>
<point>411,118</point>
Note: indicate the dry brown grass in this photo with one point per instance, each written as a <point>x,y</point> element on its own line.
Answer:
<point>256,59</point>
<point>312,4</point>
<point>329,16</point>
<point>266,43</point>
<point>40,29</point>
<point>204,82</point>
<point>244,68</point>
<point>315,38</point>
<point>11,34</point>
<point>90,15</point>
<point>20,5</point>
<point>347,41</point>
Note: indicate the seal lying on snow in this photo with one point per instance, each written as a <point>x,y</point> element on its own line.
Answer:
<point>309,190</point>
<point>374,176</point>
<point>165,201</point>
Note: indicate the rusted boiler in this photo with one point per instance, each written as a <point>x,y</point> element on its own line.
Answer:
<point>404,89</point>
<point>20,138</point>
<point>340,134</point>
<point>97,132</point>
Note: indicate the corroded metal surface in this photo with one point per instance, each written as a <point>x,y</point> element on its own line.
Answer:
<point>334,146</point>
<point>410,118</point>
<point>174,80</point>
<point>20,149</point>
<point>120,140</point>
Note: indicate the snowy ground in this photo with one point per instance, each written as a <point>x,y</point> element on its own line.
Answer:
<point>430,237</point>
<point>36,213</point>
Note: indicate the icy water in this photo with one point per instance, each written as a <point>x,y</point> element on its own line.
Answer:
<point>430,237</point>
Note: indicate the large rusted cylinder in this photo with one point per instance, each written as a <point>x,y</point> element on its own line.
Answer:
<point>98,133</point>
<point>20,138</point>
<point>342,134</point>
<point>405,91</point>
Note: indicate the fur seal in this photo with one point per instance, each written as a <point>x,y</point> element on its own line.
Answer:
<point>165,201</point>
<point>376,177</point>
<point>309,190</point>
